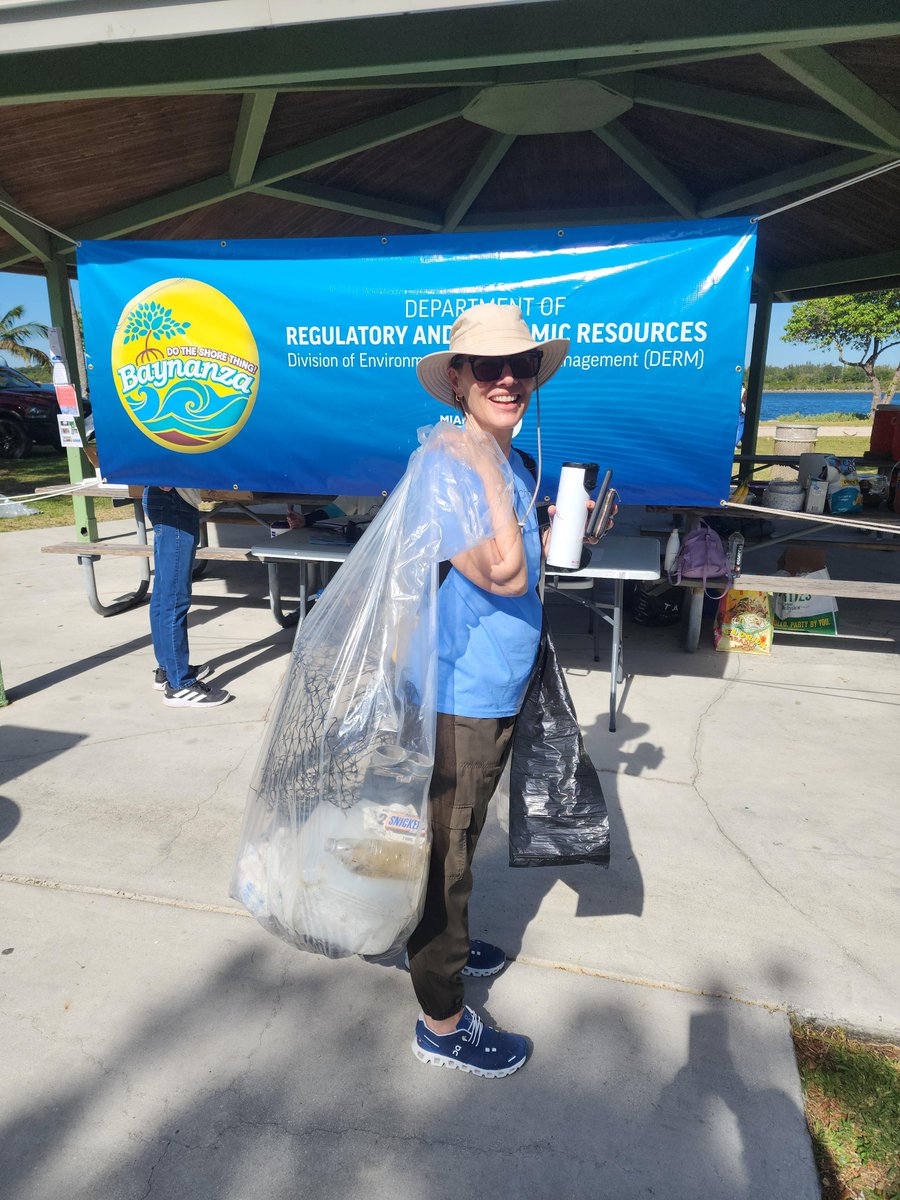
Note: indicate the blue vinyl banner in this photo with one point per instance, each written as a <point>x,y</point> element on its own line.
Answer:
<point>289,366</point>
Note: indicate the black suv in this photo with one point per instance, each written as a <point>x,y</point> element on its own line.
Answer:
<point>27,414</point>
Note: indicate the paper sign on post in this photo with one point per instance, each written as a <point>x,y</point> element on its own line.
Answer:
<point>67,398</point>
<point>68,431</point>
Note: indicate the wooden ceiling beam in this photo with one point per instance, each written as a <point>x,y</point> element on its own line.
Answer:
<point>12,258</point>
<point>320,196</point>
<point>857,273</point>
<point>534,72</point>
<point>838,165</point>
<point>30,236</point>
<point>555,218</point>
<point>482,169</point>
<point>647,165</point>
<point>256,108</point>
<point>754,111</point>
<point>364,136</point>
<point>343,144</point>
<point>817,70</point>
<point>470,39</point>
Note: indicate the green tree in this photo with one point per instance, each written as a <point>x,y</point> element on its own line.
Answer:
<point>151,320</point>
<point>867,324</point>
<point>16,338</point>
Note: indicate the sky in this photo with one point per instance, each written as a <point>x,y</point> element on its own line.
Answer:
<point>31,291</point>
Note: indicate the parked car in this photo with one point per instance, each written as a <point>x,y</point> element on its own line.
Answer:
<point>28,413</point>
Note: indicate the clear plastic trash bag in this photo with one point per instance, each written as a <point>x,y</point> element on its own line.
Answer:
<point>333,856</point>
<point>14,508</point>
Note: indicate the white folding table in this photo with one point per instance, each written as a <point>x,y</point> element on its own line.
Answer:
<point>618,559</point>
<point>615,558</point>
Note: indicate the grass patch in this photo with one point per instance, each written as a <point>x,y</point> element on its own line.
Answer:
<point>830,418</point>
<point>47,468</point>
<point>851,1092</point>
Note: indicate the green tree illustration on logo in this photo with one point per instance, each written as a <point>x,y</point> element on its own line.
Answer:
<point>151,320</point>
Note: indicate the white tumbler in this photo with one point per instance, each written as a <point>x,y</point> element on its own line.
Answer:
<point>576,482</point>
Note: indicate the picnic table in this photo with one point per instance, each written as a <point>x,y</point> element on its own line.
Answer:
<point>866,530</point>
<point>615,558</point>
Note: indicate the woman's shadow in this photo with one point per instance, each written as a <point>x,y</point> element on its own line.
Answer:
<point>507,900</point>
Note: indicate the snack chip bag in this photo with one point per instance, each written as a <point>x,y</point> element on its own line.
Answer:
<point>744,622</point>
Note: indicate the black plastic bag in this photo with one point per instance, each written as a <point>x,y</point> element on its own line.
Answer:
<point>557,814</point>
<point>656,603</point>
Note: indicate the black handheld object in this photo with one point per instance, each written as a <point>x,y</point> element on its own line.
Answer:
<point>603,506</point>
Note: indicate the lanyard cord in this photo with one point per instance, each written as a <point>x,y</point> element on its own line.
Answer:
<point>537,482</point>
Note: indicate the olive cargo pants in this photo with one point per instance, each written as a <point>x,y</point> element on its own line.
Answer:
<point>470,754</point>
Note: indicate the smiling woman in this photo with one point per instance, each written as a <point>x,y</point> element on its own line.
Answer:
<point>489,631</point>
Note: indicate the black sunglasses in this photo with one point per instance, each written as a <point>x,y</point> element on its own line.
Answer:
<point>489,368</point>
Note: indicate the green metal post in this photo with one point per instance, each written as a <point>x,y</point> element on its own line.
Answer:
<point>755,374</point>
<point>79,466</point>
<point>3,699</point>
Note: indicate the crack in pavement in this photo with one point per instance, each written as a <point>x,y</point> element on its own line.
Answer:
<point>276,1005</point>
<point>698,770</point>
<point>169,846</point>
<point>165,1151</point>
<point>531,1149</point>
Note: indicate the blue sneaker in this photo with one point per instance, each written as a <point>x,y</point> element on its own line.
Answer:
<point>472,1046</point>
<point>484,959</point>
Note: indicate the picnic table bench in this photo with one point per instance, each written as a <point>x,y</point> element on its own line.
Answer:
<point>89,553</point>
<point>874,530</point>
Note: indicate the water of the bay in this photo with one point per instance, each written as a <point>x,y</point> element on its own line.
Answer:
<point>780,404</point>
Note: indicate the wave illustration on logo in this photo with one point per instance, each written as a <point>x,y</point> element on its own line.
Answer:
<point>186,365</point>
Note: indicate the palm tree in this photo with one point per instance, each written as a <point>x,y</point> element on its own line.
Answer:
<point>15,338</point>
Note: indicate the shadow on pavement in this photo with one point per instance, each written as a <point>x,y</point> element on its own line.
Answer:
<point>277,1075</point>
<point>23,748</point>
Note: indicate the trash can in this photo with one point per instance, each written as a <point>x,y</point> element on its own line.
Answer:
<point>884,423</point>
<point>793,440</point>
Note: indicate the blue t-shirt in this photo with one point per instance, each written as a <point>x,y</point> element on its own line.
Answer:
<point>487,644</point>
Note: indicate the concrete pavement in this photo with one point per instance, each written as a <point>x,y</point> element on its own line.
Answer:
<point>158,1043</point>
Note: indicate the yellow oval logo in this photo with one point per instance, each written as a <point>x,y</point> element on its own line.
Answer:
<point>186,365</point>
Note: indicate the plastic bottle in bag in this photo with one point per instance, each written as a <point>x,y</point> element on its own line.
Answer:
<point>673,545</point>
<point>375,857</point>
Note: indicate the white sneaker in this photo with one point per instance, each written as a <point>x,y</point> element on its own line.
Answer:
<point>195,695</point>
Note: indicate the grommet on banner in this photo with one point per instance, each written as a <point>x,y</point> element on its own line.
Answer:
<point>223,244</point>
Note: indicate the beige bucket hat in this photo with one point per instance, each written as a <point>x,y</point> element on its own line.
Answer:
<point>489,329</point>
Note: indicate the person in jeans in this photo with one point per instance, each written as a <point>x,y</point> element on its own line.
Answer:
<point>175,516</point>
<point>489,629</point>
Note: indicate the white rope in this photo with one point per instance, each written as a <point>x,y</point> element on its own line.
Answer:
<point>850,522</point>
<point>827,191</point>
<point>71,490</point>
<point>34,221</point>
